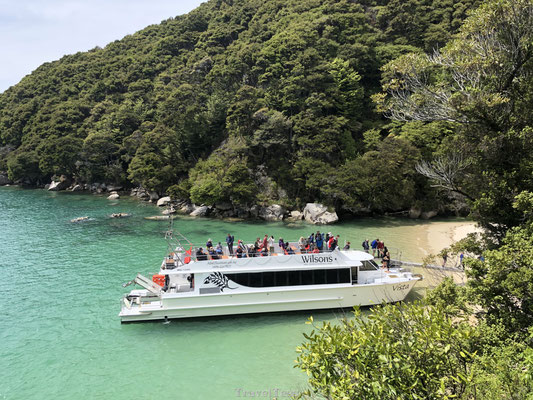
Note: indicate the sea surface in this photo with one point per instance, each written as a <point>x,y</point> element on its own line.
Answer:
<point>60,291</point>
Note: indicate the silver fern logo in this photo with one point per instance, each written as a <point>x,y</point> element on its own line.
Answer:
<point>218,279</point>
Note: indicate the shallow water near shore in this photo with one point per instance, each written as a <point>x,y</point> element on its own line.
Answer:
<point>60,336</point>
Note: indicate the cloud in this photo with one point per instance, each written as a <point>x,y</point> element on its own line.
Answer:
<point>33,32</point>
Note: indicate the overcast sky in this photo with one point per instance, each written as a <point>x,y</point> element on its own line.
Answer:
<point>36,31</point>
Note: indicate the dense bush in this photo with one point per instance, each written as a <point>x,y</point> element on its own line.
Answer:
<point>291,79</point>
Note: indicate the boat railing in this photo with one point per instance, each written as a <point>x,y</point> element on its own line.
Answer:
<point>185,253</point>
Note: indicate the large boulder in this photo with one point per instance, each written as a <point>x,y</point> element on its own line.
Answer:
<point>58,185</point>
<point>163,201</point>
<point>274,212</point>
<point>200,211</point>
<point>186,208</point>
<point>297,215</point>
<point>76,188</point>
<point>143,194</point>
<point>113,196</point>
<point>318,214</point>
<point>4,180</point>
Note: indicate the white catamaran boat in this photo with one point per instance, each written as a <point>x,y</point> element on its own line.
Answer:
<point>199,286</point>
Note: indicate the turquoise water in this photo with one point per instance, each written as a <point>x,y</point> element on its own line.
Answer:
<point>61,338</point>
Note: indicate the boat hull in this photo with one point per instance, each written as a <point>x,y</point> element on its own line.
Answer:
<point>267,301</point>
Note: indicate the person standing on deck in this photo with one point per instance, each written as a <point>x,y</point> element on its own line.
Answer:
<point>347,246</point>
<point>319,241</point>
<point>281,244</point>
<point>336,242</point>
<point>331,242</point>
<point>311,238</point>
<point>374,245</point>
<point>264,245</point>
<point>381,245</point>
<point>271,244</point>
<point>301,244</point>
<point>386,259</point>
<point>365,245</point>
<point>229,241</point>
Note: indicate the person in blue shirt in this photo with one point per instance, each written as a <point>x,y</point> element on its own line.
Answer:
<point>229,241</point>
<point>374,246</point>
<point>319,241</point>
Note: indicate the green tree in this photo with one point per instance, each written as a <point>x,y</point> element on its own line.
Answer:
<point>223,177</point>
<point>480,80</point>
<point>158,162</point>
<point>402,351</point>
<point>502,284</point>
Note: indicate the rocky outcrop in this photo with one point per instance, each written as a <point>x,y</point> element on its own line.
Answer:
<point>120,215</point>
<point>168,211</point>
<point>76,188</point>
<point>318,214</point>
<point>140,193</point>
<point>200,211</point>
<point>4,180</point>
<point>163,201</point>
<point>274,212</point>
<point>186,208</point>
<point>56,186</point>
<point>297,215</point>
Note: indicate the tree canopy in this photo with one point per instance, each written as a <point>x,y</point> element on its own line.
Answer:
<point>291,80</point>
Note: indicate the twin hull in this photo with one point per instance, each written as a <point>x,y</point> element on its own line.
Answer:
<point>230,303</point>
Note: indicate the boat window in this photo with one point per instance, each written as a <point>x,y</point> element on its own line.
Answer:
<point>332,276</point>
<point>255,280</point>
<point>268,279</point>
<point>344,275</point>
<point>295,278</point>
<point>320,276</point>
<point>369,265</point>
<point>307,277</point>
<point>292,278</point>
<point>282,278</point>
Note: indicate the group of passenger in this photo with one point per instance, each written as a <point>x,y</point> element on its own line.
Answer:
<point>319,242</point>
<point>378,246</point>
<point>315,243</point>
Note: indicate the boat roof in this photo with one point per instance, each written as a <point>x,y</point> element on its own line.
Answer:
<point>325,260</point>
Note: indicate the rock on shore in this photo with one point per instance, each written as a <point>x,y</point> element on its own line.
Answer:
<point>318,214</point>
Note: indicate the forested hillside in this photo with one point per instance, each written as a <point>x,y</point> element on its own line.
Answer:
<point>244,101</point>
